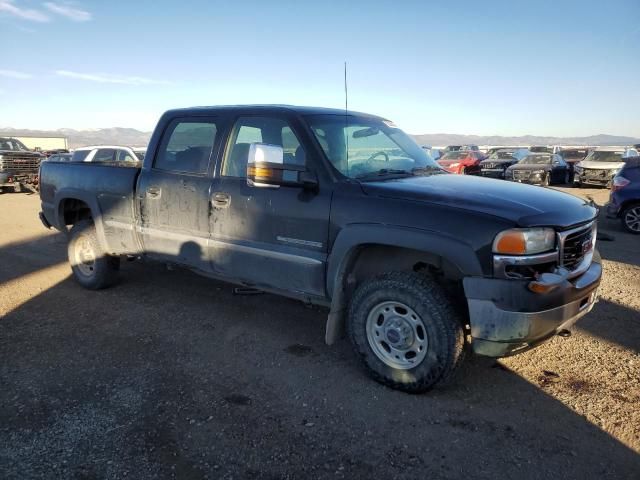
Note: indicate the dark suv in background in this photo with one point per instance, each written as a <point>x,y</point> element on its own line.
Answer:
<point>624,202</point>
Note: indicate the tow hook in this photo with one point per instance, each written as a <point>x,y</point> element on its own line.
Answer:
<point>564,333</point>
<point>546,282</point>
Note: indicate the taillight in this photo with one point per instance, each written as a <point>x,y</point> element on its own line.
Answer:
<point>619,182</point>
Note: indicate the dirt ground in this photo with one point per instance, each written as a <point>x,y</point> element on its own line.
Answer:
<point>169,375</point>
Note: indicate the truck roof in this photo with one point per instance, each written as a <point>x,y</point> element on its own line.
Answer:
<point>302,110</point>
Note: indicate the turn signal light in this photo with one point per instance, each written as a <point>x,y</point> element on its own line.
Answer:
<point>511,243</point>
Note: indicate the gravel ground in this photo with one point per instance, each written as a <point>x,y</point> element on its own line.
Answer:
<point>169,375</point>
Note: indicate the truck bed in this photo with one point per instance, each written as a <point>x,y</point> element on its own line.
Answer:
<point>106,188</point>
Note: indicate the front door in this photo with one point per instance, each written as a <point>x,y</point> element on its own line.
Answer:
<point>174,194</point>
<point>268,237</point>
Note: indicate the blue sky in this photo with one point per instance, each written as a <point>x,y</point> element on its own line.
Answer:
<point>558,67</point>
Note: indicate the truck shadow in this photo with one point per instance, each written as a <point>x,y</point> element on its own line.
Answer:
<point>172,374</point>
<point>31,255</point>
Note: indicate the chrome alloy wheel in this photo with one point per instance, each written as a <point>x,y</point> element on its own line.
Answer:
<point>632,219</point>
<point>397,335</point>
<point>85,256</point>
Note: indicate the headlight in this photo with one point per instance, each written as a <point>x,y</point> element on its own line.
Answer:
<point>524,241</point>
<point>577,167</point>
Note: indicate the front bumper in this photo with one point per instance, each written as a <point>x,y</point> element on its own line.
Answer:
<point>492,173</point>
<point>506,318</point>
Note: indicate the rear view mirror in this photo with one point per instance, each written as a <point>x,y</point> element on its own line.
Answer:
<point>266,168</point>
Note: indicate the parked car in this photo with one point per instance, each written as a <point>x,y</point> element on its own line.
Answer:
<point>572,156</point>
<point>105,153</point>
<point>139,152</point>
<point>545,149</point>
<point>466,162</point>
<point>496,165</point>
<point>274,197</point>
<point>539,169</point>
<point>493,150</point>
<point>433,152</point>
<point>60,157</point>
<point>601,165</point>
<point>624,201</point>
<point>18,165</point>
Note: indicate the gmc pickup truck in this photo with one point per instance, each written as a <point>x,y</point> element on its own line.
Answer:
<point>340,209</point>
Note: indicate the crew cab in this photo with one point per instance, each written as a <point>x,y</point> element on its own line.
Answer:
<point>344,210</point>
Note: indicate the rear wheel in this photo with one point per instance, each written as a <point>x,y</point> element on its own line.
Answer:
<point>91,267</point>
<point>406,332</point>
<point>631,219</point>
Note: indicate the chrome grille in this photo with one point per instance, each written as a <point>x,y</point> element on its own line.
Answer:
<point>520,174</point>
<point>575,245</point>
<point>19,163</point>
<point>597,173</point>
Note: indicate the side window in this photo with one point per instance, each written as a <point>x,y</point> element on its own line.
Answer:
<point>248,130</point>
<point>105,155</point>
<point>186,146</point>
<point>124,156</point>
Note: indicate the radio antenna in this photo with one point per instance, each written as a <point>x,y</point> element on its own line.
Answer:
<point>346,116</point>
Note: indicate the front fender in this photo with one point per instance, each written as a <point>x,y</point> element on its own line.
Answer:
<point>352,238</point>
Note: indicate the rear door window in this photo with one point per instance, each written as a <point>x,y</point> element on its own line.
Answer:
<point>80,155</point>
<point>105,155</point>
<point>187,146</point>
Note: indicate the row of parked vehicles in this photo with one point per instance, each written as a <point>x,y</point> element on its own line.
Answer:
<point>538,165</point>
<point>19,166</point>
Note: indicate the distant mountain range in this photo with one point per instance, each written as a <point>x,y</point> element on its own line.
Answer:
<point>81,138</point>
<point>136,138</point>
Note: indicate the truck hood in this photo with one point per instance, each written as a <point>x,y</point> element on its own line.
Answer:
<point>524,205</point>
<point>602,165</point>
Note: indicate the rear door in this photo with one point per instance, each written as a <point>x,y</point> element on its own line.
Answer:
<point>269,237</point>
<point>174,194</point>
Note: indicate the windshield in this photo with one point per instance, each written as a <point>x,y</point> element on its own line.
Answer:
<point>574,154</point>
<point>605,157</point>
<point>504,155</point>
<point>540,150</point>
<point>536,159</point>
<point>79,155</point>
<point>140,154</point>
<point>12,145</point>
<point>454,156</point>
<point>358,146</point>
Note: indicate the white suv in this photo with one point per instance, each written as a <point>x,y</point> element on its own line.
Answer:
<point>107,153</point>
<point>601,165</point>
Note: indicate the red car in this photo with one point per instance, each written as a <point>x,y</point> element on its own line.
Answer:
<point>465,162</point>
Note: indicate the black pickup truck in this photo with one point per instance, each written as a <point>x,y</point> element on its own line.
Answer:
<point>340,209</point>
<point>18,165</point>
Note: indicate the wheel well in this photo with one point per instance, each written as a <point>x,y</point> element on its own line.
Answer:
<point>372,260</point>
<point>628,203</point>
<point>73,210</point>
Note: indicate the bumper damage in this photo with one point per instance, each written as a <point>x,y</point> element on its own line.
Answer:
<point>501,327</point>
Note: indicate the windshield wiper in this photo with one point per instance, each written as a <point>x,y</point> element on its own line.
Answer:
<point>427,169</point>
<point>382,172</point>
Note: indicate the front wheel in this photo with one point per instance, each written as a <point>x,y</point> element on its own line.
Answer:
<point>406,332</point>
<point>631,219</point>
<point>91,267</point>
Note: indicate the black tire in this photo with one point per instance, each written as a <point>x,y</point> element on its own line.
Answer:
<point>566,178</point>
<point>630,211</point>
<point>445,351</point>
<point>102,272</point>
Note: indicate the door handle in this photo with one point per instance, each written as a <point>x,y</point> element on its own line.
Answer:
<point>153,192</point>
<point>220,200</point>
